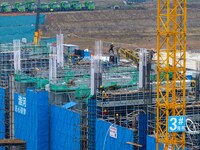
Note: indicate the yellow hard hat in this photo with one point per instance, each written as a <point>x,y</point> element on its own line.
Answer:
<point>117,115</point>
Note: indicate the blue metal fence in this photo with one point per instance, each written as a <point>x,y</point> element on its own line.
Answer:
<point>64,129</point>
<point>31,119</point>
<point>91,123</point>
<point>107,142</point>
<point>142,126</point>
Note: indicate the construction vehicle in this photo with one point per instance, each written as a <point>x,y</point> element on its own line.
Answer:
<point>65,5</point>
<point>129,54</point>
<point>54,6</point>
<point>19,7</point>
<point>30,6</point>
<point>89,5</point>
<point>44,7</point>
<point>76,5</point>
<point>5,8</point>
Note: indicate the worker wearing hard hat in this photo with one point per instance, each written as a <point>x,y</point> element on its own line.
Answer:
<point>117,120</point>
<point>111,48</point>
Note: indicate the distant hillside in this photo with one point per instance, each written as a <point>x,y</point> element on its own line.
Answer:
<point>135,27</point>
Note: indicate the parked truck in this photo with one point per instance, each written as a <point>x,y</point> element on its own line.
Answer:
<point>65,5</point>
<point>54,6</point>
<point>19,7</point>
<point>44,7</point>
<point>76,5</point>
<point>89,5</point>
<point>5,8</point>
<point>30,6</point>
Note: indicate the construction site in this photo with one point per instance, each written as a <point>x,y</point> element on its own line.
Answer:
<point>106,79</point>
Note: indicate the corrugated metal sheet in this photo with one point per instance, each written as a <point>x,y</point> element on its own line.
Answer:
<point>106,142</point>
<point>31,119</point>
<point>2,115</point>
<point>64,129</point>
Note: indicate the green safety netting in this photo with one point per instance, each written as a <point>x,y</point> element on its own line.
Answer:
<point>82,91</point>
<point>41,82</point>
<point>109,85</point>
<point>21,77</point>
<point>122,69</point>
<point>58,87</point>
<point>24,78</point>
<point>69,75</point>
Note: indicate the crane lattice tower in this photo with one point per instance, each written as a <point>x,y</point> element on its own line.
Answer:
<point>171,51</point>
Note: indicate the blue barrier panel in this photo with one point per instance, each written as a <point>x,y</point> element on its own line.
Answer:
<point>151,143</point>
<point>64,129</point>
<point>18,27</point>
<point>114,139</point>
<point>142,126</point>
<point>31,119</point>
<point>91,124</point>
<point>2,115</point>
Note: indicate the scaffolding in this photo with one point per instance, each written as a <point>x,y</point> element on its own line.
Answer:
<point>19,66</point>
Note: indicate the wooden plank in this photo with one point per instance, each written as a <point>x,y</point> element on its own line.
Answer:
<point>11,142</point>
<point>134,144</point>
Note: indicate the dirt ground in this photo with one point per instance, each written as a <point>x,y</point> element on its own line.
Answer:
<point>126,28</point>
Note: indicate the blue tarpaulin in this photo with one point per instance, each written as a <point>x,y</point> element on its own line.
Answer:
<point>64,129</point>
<point>104,139</point>
<point>69,105</point>
<point>31,119</point>
<point>18,27</point>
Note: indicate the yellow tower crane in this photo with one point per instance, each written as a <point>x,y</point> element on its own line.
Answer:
<point>38,32</point>
<point>171,57</point>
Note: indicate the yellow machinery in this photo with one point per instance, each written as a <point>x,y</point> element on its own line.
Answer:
<point>129,54</point>
<point>171,57</point>
<point>37,36</point>
<point>38,32</point>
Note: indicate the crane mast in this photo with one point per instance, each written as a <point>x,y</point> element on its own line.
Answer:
<point>37,32</point>
<point>171,58</point>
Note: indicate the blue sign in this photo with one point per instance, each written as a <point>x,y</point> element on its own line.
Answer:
<point>20,105</point>
<point>176,123</point>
